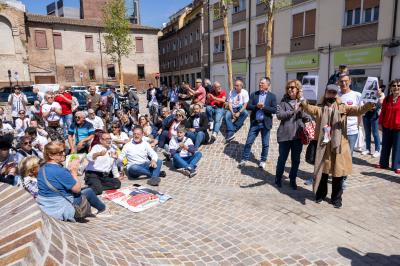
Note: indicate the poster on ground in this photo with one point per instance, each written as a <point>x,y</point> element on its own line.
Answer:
<point>136,199</point>
<point>370,91</point>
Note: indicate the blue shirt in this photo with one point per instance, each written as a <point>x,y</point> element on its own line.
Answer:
<point>261,99</point>
<point>81,132</point>
<point>59,177</point>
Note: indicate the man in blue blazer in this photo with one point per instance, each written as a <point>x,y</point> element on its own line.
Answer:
<point>262,105</point>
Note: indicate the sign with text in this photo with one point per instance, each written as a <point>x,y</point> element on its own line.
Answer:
<point>362,56</point>
<point>302,61</point>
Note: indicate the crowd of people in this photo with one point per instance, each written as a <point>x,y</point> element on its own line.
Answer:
<point>121,142</point>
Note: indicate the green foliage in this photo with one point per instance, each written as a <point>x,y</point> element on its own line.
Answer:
<point>118,42</point>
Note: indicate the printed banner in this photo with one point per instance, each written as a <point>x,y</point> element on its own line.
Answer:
<point>370,91</point>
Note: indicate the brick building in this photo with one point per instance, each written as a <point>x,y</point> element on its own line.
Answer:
<point>184,45</point>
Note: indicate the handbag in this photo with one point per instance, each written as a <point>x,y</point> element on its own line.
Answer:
<point>308,132</point>
<point>82,210</point>
<point>311,152</point>
<point>55,123</point>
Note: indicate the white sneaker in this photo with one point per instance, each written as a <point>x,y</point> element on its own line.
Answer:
<point>262,165</point>
<point>309,181</point>
<point>242,163</point>
<point>376,154</point>
<point>366,152</point>
<point>211,124</point>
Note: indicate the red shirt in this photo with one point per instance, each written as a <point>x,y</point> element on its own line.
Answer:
<point>200,95</point>
<point>66,108</point>
<point>390,114</point>
<point>217,95</point>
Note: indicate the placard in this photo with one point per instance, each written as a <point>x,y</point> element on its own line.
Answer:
<point>370,91</point>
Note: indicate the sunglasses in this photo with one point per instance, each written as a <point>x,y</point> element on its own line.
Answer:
<point>114,127</point>
<point>27,143</point>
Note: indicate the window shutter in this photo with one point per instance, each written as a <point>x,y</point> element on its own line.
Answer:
<point>260,33</point>
<point>353,4</point>
<point>57,40</point>
<point>139,45</point>
<point>370,3</point>
<point>310,22</point>
<point>89,43</point>
<point>236,44</point>
<point>243,38</point>
<point>298,25</point>
<point>40,39</point>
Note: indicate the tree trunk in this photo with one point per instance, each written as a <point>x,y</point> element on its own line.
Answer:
<point>268,49</point>
<point>120,76</point>
<point>228,51</point>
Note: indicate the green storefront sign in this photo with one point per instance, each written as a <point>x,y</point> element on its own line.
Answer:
<point>364,56</point>
<point>239,68</point>
<point>302,61</point>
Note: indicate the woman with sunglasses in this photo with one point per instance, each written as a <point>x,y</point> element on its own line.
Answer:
<point>51,112</point>
<point>22,123</point>
<point>26,149</point>
<point>389,123</point>
<point>118,137</point>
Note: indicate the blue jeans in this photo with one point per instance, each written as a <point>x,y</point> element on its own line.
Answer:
<point>94,201</point>
<point>294,147</point>
<point>232,127</point>
<point>256,128</point>
<point>198,138</point>
<point>352,142</point>
<point>136,170</point>
<point>371,126</point>
<point>67,121</point>
<point>215,115</point>
<point>185,162</point>
<point>390,143</point>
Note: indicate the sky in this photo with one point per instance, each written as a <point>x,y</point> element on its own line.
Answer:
<point>154,12</point>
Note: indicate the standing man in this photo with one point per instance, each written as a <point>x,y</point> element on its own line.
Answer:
<point>65,100</point>
<point>80,134</point>
<point>39,95</point>
<point>350,98</point>
<point>334,79</point>
<point>262,105</point>
<point>133,99</point>
<point>93,100</point>
<point>173,96</point>
<point>199,93</point>
<point>18,102</point>
<point>215,109</point>
<point>237,114</point>
<point>153,100</point>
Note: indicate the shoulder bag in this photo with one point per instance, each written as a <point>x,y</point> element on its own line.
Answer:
<point>82,210</point>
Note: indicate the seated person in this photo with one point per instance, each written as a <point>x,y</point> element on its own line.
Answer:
<point>126,124</point>
<point>22,123</point>
<point>6,128</point>
<point>26,149</point>
<point>148,130</point>
<point>80,134</point>
<point>28,169</point>
<point>118,137</point>
<point>102,170</point>
<point>137,152</point>
<point>215,109</point>
<point>8,164</point>
<point>40,130</point>
<point>96,121</point>
<point>169,129</point>
<point>197,125</point>
<point>59,204</point>
<point>38,141</point>
<point>184,153</point>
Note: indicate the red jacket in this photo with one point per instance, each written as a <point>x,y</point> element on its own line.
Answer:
<point>390,114</point>
<point>66,108</point>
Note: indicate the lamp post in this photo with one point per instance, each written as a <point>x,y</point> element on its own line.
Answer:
<point>9,77</point>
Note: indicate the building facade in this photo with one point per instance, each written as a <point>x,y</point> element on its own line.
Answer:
<point>310,37</point>
<point>49,49</point>
<point>184,45</point>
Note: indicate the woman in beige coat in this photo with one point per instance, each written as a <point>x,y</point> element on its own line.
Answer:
<point>333,151</point>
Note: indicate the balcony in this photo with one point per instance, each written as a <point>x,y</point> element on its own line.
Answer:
<point>219,23</point>
<point>239,16</point>
<point>219,57</point>
<point>302,43</point>
<point>239,53</point>
<point>357,34</point>
<point>296,2</point>
<point>260,10</point>
<point>260,49</point>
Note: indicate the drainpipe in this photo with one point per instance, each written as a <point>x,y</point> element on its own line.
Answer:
<point>249,47</point>
<point>101,60</point>
<point>396,3</point>
<point>329,60</point>
<point>209,41</point>
<point>54,53</point>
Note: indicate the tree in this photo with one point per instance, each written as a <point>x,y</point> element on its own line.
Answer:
<point>271,6</point>
<point>118,42</point>
<point>225,5</point>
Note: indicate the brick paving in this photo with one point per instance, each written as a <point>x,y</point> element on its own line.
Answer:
<point>231,216</point>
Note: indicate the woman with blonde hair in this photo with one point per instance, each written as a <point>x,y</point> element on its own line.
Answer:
<point>292,118</point>
<point>60,188</point>
<point>28,170</point>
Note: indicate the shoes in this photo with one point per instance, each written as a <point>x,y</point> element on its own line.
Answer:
<point>213,137</point>
<point>154,181</point>
<point>167,155</point>
<point>163,174</point>
<point>242,163</point>
<point>319,201</point>
<point>278,182</point>
<point>230,138</point>
<point>192,172</point>
<point>397,171</point>
<point>309,181</point>
<point>211,125</point>
<point>378,166</point>
<point>337,205</point>
<point>376,154</point>
<point>293,184</point>
<point>262,165</point>
<point>344,183</point>
<point>366,152</point>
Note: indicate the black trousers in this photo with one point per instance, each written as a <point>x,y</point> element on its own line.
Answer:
<point>337,189</point>
<point>100,182</point>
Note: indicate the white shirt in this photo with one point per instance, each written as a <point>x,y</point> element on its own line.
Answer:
<point>352,98</point>
<point>21,126</point>
<point>174,145</point>
<point>40,140</point>
<point>122,137</point>
<point>53,116</point>
<point>238,100</point>
<point>138,153</point>
<point>17,103</point>
<point>104,164</point>
<point>97,122</point>
<point>7,129</point>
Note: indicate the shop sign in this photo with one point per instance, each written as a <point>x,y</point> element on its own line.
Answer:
<point>302,61</point>
<point>239,68</point>
<point>364,56</point>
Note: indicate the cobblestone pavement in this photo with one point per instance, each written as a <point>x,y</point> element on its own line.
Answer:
<point>231,216</point>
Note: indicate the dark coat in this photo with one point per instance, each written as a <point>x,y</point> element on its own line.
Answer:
<point>269,107</point>
<point>203,125</point>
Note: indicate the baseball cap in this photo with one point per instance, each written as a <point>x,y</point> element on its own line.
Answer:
<point>332,87</point>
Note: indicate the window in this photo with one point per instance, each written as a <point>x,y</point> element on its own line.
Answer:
<point>239,39</point>
<point>57,39</point>
<point>304,23</point>
<point>191,37</point>
<point>361,11</point>
<point>69,74</point>
<point>89,43</point>
<point>191,58</point>
<point>92,74</point>
<point>111,72</point>
<point>376,13</point>
<point>174,46</point>
<point>139,44</point>
<point>197,35</point>
<point>197,56</point>
<point>239,6</point>
<point>261,37</point>
<point>219,44</point>
<point>40,39</point>
<point>371,14</point>
<point>140,71</point>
